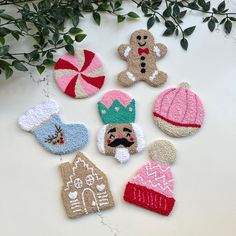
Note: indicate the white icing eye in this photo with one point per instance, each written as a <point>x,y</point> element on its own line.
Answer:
<point>103,112</point>
<point>73,195</point>
<point>130,109</point>
<point>78,183</point>
<point>117,108</point>
<point>89,180</point>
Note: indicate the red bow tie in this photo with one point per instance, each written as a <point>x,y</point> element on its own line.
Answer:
<point>141,51</point>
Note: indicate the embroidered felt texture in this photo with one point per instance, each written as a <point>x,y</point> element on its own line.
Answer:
<point>85,188</point>
<point>178,111</point>
<point>81,75</point>
<point>116,107</point>
<point>120,140</point>
<point>141,55</point>
<point>55,136</point>
<point>152,187</point>
<point>120,136</point>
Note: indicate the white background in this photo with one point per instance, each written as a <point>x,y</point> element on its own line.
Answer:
<point>30,182</point>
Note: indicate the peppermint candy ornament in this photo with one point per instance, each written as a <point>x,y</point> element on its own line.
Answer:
<point>80,75</point>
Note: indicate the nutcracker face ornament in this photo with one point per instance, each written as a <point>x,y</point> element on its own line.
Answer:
<point>120,136</point>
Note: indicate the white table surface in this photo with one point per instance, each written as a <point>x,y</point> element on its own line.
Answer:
<point>205,173</point>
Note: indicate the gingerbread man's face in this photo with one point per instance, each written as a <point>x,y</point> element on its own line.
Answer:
<point>142,39</point>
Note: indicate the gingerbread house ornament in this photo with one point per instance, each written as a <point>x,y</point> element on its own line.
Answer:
<point>85,189</point>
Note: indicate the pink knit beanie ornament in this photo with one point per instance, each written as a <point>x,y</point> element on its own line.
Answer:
<point>152,187</point>
<point>178,112</point>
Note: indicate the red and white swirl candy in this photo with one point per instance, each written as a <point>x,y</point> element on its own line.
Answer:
<point>80,75</point>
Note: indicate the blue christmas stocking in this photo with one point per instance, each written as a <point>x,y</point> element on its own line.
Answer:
<point>55,136</point>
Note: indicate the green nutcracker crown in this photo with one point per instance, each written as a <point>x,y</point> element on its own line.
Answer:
<point>116,107</point>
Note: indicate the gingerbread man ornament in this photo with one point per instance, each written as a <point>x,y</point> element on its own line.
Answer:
<point>141,55</point>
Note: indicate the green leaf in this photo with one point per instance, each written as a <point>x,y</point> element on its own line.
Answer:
<point>184,43</point>
<point>2,40</point>
<point>117,4</point>
<point>75,30</point>
<point>206,19</point>
<point>6,16</point>
<point>144,8</point>
<point>221,6</point>
<point>211,25</point>
<point>49,55</point>
<point>169,31</point>
<point>55,37</point>
<point>75,20</point>
<point>97,17</point>
<point>169,24</point>
<point>68,39</point>
<point>176,31</point>
<point>193,5</point>
<point>80,37</point>
<point>189,30</point>
<point>22,25</point>
<point>19,66</point>
<point>49,62</point>
<point>15,34</point>
<point>4,64</point>
<point>40,69</point>
<point>232,18</point>
<point>4,50</point>
<point>182,14</point>
<point>8,72</point>
<point>4,31</point>
<point>228,26</point>
<point>167,12</point>
<point>132,14</point>
<point>150,22</point>
<point>103,7</point>
<point>176,10</point>
<point>42,20</point>
<point>215,11</point>
<point>157,19</point>
<point>201,3</point>
<point>207,6</point>
<point>223,21</point>
<point>69,48</point>
<point>120,18</point>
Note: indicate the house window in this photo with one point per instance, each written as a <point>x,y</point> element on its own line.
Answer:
<point>89,180</point>
<point>78,183</point>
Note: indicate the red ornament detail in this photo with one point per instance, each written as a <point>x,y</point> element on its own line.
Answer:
<point>176,123</point>
<point>148,198</point>
<point>108,141</point>
<point>95,81</point>
<point>70,89</point>
<point>62,64</point>
<point>88,57</point>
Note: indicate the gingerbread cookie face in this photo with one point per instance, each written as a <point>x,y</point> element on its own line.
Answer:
<point>142,39</point>
<point>85,189</point>
<point>141,56</point>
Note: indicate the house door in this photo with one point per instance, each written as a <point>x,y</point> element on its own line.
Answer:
<point>89,201</point>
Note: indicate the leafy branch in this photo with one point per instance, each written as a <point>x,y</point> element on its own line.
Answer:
<point>43,23</point>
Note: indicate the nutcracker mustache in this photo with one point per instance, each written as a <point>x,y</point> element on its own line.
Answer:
<point>120,141</point>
